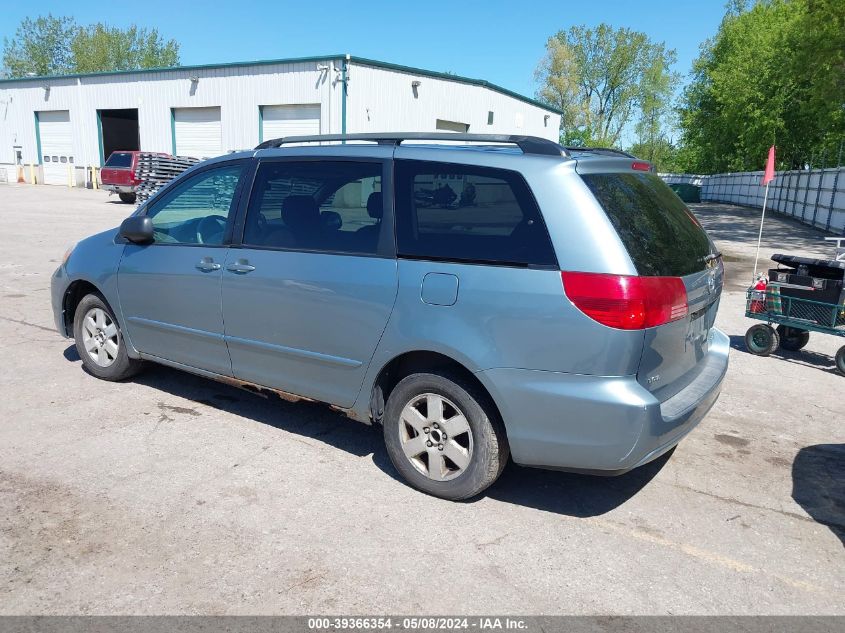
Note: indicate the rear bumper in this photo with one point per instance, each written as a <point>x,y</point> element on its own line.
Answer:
<point>605,425</point>
<point>119,188</point>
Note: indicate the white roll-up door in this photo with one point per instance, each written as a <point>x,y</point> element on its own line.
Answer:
<point>290,120</point>
<point>56,137</point>
<point>197,132</point>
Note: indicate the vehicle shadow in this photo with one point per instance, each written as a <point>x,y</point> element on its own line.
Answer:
<point>571,494</point>
<point>818,485</point>
<point>551,491</point>
<point>804,357</point>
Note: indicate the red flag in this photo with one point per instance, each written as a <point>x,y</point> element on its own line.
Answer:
<point>770,167</point>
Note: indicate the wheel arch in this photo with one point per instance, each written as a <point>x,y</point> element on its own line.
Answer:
<point>420,361</point>
<point>76,290</point>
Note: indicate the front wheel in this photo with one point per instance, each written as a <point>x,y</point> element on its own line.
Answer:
<point>840,360</point>
<point>99,341</point>
<point>128,198</point>
<point>761,340</point>
<point>443,436</point>
<point>792,339</point>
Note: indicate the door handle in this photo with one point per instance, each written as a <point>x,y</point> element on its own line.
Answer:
<point>206,264</point>
<point>241,266</point>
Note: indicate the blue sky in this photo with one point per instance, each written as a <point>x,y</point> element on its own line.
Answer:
<point>500,41</point>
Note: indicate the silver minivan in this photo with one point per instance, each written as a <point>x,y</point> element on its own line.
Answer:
<point>499,296</point>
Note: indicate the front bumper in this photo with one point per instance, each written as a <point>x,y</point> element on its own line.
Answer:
<point>600,424</point>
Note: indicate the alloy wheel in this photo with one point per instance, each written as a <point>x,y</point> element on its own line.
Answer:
<point>100,337</point>
<point>435,437</point>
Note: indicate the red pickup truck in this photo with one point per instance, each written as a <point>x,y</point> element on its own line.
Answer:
<point>118,174</point>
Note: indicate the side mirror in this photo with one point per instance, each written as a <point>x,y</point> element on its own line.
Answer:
<point>137,229</point>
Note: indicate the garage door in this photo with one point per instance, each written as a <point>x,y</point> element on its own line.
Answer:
<point>55,135</point>
<point>197,132</point>
<point>289,120</point>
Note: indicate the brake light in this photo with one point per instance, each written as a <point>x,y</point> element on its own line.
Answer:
<point>641,166</point>
<point>626,302</point>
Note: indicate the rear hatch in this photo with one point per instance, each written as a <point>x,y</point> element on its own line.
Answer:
<point>664,239</point>
<point>119,170</point>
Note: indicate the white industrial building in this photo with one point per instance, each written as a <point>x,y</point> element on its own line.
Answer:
<point>202,111</point>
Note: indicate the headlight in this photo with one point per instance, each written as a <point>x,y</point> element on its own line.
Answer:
<point>68,253</point>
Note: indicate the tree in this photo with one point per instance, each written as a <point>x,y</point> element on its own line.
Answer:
<point>57,45</point>
<point>602,78</point>
<point>100,47</point>
<point>40,47</point>
<point>773,74</point>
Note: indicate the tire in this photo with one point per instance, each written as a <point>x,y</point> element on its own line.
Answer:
<point>107,358</point>
<point>840,360</point>
<point>474,446</point>
<point>761,340</point>
<point>792,339</point>
<point>128,198</point>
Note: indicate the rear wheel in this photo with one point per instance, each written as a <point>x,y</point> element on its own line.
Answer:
<point>840,360</point>
<point>443,436</point>
<point>99,341</point>
<point>792,339</point>
<point>129,198</point>
<point>761,339</point>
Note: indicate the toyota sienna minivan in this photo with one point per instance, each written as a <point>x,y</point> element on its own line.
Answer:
<point>504,296</point>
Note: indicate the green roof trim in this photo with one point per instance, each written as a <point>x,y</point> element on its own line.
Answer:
<point>300,60</point>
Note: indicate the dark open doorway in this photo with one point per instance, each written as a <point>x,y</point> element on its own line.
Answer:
<point>118,131</point>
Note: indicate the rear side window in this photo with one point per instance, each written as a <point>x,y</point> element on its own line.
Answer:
<point>661,235</point>
<point>119,159</point>
<point>333,206</point>
<point>468,214</point>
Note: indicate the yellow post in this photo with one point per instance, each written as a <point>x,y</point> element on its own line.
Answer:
<point>31,174</point>
<point>68,176</point>
<point>94,177</point>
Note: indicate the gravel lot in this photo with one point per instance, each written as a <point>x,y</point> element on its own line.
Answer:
<point>174,494</point>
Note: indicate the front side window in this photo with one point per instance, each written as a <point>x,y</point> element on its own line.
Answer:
<point>196,211</point>
<point>333,206</point>
<point>468,214</point>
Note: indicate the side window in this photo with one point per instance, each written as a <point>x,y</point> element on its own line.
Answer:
<point>470,214</point>
<point>196,211</point>
<point>331,206</point>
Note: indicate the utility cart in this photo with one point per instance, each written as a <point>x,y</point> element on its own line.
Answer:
<point>806,296</point>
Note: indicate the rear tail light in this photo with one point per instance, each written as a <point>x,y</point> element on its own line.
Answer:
<point>627,302</point>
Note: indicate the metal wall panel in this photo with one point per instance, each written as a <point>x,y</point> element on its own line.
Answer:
<point>379,99</point>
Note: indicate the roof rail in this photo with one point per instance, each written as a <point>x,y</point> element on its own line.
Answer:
<point>528,144</point>
<point>600,150</point>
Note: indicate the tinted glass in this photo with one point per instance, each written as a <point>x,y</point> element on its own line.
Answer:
<point>661,235</point>
<point>333,206</point>
<point>196,211</point>
<point>470,214</point>
<point>119,159</point>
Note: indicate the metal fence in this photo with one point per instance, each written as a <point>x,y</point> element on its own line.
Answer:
<point>814,196</point>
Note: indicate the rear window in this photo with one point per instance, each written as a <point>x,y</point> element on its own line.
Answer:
<point>660,233</point>
<point>119,159</point>
<point>470,214</point>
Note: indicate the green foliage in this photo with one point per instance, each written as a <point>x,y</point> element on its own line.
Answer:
<point>773,74</point>
<point>54,46</point>
<point>662,153</point>
<point>100,47</point>
<point>603,79</point>
<point>40,47</point>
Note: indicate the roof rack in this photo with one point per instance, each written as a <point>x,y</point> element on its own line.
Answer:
<point>600,150</point>
<point>528,144</point>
